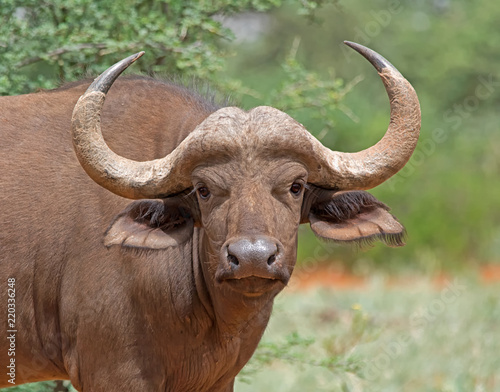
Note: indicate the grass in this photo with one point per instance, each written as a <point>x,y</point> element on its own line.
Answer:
<point>409,336</point>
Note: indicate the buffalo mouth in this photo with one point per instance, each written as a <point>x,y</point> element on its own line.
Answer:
<point>252,286</point>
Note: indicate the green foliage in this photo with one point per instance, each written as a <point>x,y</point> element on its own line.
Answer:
<point>45,42</point>
<point>47,386</point>
<point>304,92</point>
<point>333,352</point>
<point>83,35</point>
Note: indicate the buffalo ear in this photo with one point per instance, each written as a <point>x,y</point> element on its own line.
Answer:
<point>354,217</point>
<point>151,224</point>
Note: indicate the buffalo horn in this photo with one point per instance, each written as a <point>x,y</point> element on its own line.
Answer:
<point>122,176</point>
<point>369,168</point>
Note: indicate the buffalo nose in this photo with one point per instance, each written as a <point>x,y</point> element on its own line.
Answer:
<point>259,251</point>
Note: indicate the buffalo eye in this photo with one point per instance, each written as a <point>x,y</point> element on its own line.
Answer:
<point>203,192</point>
<point>296,188</point>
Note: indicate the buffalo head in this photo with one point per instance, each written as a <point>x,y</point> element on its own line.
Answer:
<point>243,181</point>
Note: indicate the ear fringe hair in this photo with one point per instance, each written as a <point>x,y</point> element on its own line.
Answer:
<point>154,213</point>
<point>393,240</point>
<point>157,214</point>
<point>345,206</point>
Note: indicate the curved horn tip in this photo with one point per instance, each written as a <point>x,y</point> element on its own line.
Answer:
<point>106,79</point>
<point>378,61</point>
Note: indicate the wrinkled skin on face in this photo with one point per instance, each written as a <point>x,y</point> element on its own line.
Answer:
<point>248,201</point>
<point>248,204</point>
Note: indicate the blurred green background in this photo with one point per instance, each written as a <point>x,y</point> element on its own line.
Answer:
<point>289,54</point>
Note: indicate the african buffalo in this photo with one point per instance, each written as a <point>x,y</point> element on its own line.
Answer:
<point>170,292</point>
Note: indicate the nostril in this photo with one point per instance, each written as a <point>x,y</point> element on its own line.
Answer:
<point>252,253</point>
<point>271,260</point>
<point>233,260</point>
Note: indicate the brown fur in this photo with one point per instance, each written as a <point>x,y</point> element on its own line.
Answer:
<point>148,311</point>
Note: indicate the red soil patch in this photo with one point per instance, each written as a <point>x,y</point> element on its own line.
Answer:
<point>328,277</point>
<point>325,277</point>
<point>490,273</point>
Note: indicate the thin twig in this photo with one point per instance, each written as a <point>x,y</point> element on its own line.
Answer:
<point>59,52</point>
